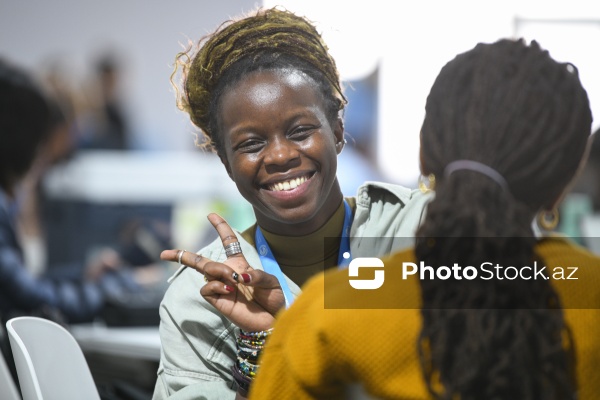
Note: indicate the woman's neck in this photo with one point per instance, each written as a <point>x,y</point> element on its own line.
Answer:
<point>303,228</point>
<point>301,251</point>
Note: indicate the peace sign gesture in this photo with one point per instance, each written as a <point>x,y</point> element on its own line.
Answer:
<point>248,297</point>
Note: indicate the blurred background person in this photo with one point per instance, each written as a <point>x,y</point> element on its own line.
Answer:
<point>105,125</point>
<point>58,146</point>
<point>77,294</point>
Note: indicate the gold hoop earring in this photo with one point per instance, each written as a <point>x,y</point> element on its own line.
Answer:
<point>426,188</point>
<point>548,220</point>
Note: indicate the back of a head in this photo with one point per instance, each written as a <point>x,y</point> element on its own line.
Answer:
<point>513,109</point>
<point>24,119</point>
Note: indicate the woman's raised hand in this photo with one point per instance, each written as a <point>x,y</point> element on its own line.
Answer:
<point>248,297</point>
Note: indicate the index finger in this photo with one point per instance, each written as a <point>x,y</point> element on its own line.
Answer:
<point>223,229</point>
<point>188,258</point>
<point>206,266</point>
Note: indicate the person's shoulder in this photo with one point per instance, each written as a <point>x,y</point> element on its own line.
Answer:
<point>399,257</point>
<point>376,190</point>
<point>573,270</point>
<point>386,209</point>
<point>313,291</point>
<point>559,249</point>
<point>334,289</point>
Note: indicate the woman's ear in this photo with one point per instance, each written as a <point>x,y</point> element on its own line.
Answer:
<point>338,132</point>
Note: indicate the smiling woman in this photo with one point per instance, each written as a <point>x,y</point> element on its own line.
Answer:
<point>267,98</point>
<point>280,150</point>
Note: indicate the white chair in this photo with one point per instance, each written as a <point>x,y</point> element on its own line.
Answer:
<point>50,363</point>
<point>8,388</point>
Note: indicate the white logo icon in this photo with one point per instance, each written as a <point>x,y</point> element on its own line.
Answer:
<point>366,262</point>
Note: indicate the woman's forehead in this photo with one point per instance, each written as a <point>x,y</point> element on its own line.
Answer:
<point>271,86</point>
<point>290,77</point>
<point>269,99</point>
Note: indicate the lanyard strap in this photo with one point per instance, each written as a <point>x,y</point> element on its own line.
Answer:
<point>271,266</point>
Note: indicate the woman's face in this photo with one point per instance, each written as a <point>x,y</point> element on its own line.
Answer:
<point>279,149</point>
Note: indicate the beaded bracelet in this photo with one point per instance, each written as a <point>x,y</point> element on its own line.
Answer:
<point>243,382</point>
<point>249,347</point>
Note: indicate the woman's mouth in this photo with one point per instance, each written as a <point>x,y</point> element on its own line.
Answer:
<point>287,185</point>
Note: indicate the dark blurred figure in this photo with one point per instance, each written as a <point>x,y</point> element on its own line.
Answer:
<point>104,124</point>
<point>33,135</point>
<point>27,120</point>
<point>57,148</point>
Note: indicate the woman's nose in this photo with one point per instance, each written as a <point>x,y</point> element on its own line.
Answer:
<point>281,152</point>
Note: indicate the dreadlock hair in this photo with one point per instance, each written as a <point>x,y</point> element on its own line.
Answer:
<point>265,40</point>
<point>512,107</point>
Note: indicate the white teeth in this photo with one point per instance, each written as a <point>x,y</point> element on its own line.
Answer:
<point>288,185</point>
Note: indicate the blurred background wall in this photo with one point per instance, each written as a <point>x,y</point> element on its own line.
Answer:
<point>71,35</point>
<point>407,42</point>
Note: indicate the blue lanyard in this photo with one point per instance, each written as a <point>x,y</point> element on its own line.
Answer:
<point>271,266</point>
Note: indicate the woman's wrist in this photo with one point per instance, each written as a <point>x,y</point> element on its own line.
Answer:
<point>249,347</point>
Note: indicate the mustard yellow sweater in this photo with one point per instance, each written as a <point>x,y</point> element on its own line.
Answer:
<point>317,352</point>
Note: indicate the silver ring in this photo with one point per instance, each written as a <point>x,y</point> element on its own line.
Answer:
<point>232,249</point>
<point>179,255</point>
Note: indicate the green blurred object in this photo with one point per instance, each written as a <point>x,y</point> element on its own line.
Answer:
<point>574,208</point>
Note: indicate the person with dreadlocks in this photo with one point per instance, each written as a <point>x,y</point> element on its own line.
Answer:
<point>504,133</point>
<point>267,97</point>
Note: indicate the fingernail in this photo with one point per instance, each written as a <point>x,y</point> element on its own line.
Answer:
<point>246,278</point>
<point>235,276</point>
<point>229,288</point>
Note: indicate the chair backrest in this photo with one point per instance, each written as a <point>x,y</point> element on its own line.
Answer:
<point>49,362</point>
<point>8,388</point>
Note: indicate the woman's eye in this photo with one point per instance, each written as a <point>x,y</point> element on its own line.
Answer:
<point>301,132</point>
<point>250,145</point>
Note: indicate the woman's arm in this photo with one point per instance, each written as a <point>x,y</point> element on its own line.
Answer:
<point>77,300</point>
